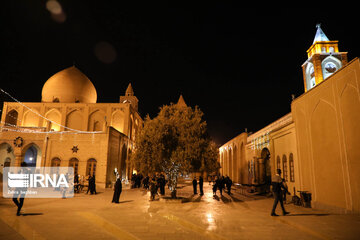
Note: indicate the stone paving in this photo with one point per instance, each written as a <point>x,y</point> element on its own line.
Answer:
<point>201,217</point>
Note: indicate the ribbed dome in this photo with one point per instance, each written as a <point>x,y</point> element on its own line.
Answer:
<point>68,86</point>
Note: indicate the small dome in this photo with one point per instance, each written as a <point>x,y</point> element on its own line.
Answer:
<point>68,86</point>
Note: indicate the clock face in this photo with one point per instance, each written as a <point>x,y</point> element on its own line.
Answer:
<point>330,67</point>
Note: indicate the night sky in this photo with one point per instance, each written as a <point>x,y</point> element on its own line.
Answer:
<point>240,66</point>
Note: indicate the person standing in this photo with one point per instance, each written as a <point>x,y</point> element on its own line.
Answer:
<point>220,184</point>
<point>278,186</point>
<point>194,182</point>
<point>228,184</point>
<point>215,186</point>
<point>117,190</point>
<point>201,184</point>
<point>89,184</point>
<point>153,189</point>
<point>162,184</point>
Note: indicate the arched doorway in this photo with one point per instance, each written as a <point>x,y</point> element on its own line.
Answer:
<point>266,175</point>
<point>91,167</point>
<point>31,156</point>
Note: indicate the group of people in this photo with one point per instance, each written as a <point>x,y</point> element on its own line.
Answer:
<point>154,184</point>
<point>136,180</point>
<point>79,183</point>
<point>220,183</point>
<point>157,182</point>
<point>201,184</point>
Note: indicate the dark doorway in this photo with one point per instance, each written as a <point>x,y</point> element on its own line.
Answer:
<point>265,155</point>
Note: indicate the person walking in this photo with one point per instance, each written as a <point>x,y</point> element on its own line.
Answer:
<point>201,184</point>
<point>194,182</point>
<point>117,190</point>
<point>20,192</point>
<point>278,186</point>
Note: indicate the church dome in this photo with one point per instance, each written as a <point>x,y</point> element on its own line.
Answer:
<point>68,86</point>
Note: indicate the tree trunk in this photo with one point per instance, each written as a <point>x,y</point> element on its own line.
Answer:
<point>172,177</point>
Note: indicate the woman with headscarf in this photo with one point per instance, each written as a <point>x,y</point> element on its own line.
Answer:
<point>117,190</point>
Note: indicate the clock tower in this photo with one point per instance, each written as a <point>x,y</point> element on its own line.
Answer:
<point>323,60</point>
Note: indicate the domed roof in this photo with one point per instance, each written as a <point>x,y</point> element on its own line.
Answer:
<point>68,86</point>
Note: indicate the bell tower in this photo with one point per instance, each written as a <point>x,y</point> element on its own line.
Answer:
<point>130,97</point>
<point>324,59</point>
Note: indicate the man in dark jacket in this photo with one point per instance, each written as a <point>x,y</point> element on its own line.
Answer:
<point>201,184</point>
<point>162,183</point>
<point>20,191</point>
<point>277,185</point>
<point>221,184</point>
<point>117,190</point>
<point>228,182</point>
<point>194,182</point>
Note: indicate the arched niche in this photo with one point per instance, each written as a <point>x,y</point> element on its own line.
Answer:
<point>55,120</point>
<point>96,121</point>
<point>11,118</point>
<point>74,120</point>
<point>117,120</point>
<point>31,119</point>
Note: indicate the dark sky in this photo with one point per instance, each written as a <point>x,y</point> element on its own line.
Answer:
<point>240,66</point>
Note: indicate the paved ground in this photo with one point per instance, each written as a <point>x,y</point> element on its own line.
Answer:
<point>230,217</point>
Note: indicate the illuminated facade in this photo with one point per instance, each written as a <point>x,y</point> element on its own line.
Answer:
<point>316,145</point>
<point>69,128</point>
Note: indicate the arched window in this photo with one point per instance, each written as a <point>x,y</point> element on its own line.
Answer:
<point>74,162</point>
<point>278,164</point>
<point>55,164</point>
<point>310,76</point>
<point>285,174</point>
<point>91,167</point>
<point>291,165</point>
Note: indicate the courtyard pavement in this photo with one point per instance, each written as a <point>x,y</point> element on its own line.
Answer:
<point>200,217</point>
